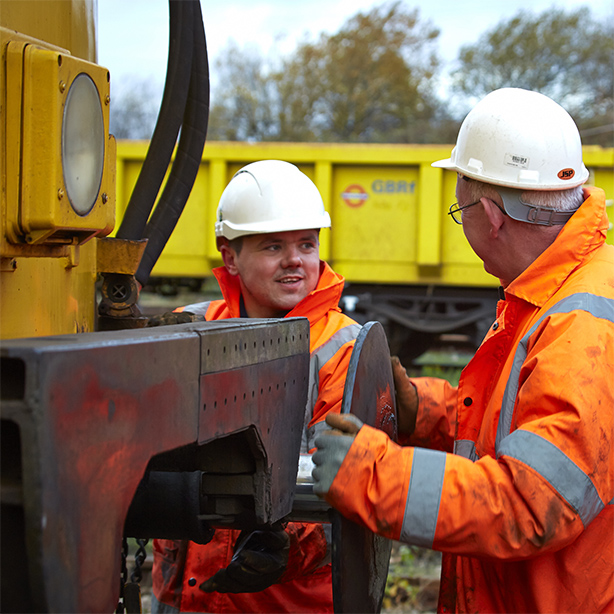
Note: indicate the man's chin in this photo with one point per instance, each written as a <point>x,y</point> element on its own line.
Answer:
<point>288,303</point>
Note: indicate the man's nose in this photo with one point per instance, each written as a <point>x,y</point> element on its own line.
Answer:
<point>291,257</point>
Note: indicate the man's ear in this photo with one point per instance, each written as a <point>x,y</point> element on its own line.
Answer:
<point>229,257</point>
<point>495,216</point>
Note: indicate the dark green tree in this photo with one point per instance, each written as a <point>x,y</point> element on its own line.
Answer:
<point>567,55</point>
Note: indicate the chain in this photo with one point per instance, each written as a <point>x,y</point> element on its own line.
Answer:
<point>123,578</point>
<point>130,592</point>
<point>139,559</point>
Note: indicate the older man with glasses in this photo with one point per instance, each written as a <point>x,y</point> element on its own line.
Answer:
<point>511,473</point>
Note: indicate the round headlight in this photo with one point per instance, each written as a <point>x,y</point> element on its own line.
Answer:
<point>83,140</point>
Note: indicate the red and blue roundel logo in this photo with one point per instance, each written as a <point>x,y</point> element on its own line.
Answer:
<point>354,195</point>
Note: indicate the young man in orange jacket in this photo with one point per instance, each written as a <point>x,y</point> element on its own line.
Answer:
<point>510,474</point>
<point>268,223</point>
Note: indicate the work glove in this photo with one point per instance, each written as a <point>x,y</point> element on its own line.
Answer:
<point>260,558</point>
<point>406,396</point>
<point>332,447</point>
<point>170,317</point>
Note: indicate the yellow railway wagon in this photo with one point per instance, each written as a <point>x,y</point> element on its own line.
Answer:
<point>405,262</point>
<point>387,204</point>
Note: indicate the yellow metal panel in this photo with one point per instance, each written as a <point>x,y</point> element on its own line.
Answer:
<point>70,24</point>
<point>48,296</point>
<point>470,274</point>
<point>455,248</point>
<point>429,215</point>
<point>218,179</point>
<point>195,266</point>
<point>595,156</point>
<point>13,53</point>
<point>368,271</point>
<point>121,256</point>
<point>409,272</point>
<point>323,178</point>
<point>370,204</point>
<point>604,178</point>
<point>189,237</point>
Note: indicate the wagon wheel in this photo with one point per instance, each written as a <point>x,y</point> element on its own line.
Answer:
<point>360,558</point>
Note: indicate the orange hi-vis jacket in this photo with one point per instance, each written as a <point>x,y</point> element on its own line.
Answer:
<point>180,567</point>
<point>519,493</point>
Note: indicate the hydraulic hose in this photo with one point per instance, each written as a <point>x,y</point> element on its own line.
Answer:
<point>188,157</point>
<point>164,138</point>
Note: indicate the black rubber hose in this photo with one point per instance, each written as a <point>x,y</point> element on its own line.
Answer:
<point>170,117</point>
<point>187,159</point>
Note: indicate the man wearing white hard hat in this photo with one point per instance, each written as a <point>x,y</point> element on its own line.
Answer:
<point>268,224</point>
<point>511,474</point>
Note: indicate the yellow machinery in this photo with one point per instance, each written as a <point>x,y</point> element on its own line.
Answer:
<point>58,167</point>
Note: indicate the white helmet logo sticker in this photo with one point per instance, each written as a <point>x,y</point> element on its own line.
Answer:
<point>566,173</point>
<point>516,160</point>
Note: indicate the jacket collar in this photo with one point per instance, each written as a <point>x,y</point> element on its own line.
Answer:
<point>314,306</point>
<point>582,234</point>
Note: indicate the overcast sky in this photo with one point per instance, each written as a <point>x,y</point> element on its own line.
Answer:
<point>133,34</point>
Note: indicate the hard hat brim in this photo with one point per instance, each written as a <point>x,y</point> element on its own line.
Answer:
<point>450,164</point>
<point>233,231</point>
<point>446,163</point>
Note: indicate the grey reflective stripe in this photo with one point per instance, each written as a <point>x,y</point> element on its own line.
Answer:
<point>199,308</point>
<point>423,497</point>
<point>557,468</point>
<point>329,348</point>
<point>598,306</point>
<point>466,448</point>
<point>319,357</point>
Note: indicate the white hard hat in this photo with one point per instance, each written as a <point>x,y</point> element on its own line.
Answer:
<point>519,139</point>
<point>269,196</point>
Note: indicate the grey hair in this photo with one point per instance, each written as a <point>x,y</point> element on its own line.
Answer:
<point>559,200</point>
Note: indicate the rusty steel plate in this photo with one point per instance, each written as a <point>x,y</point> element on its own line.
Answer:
<point>360,558</point>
